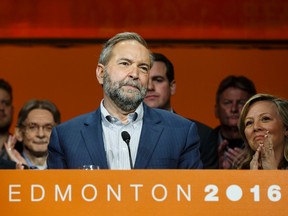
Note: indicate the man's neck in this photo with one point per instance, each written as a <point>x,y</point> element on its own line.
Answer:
<point>115,111</point>
<point>36,160</point>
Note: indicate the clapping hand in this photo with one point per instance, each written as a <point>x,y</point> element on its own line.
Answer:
<point>229,157</point>
<point>264,156</point>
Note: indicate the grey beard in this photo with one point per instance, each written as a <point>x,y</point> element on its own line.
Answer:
<point>124,102</point>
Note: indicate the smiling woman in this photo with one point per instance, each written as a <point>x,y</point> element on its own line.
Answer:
<point>264,127</point>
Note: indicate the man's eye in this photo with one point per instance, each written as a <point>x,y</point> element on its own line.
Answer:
<point>6,102</point>
<point>227,102</point>
<point>144,69</point>
<point>124,63</point>
<point>31,127</point>
<point>49,127</point>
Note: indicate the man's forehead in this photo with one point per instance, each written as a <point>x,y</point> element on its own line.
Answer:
<point>130,49</point>
<point>36,115</point>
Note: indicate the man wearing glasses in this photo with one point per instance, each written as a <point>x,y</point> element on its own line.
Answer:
<point>32,134</point>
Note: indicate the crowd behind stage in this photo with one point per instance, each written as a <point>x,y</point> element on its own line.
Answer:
<point>136,127</point>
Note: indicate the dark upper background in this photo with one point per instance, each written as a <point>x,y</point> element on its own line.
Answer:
<point>153,19</point>
<point>49,49</point>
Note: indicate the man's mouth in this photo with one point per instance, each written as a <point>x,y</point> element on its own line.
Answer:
<point>151,95</point>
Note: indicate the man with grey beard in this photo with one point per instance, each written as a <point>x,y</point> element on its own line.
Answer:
<point>124,133</point>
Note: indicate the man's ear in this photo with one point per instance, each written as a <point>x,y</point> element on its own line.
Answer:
<point>173,87</point>
<point>18,134</point>
<point>100,73</point>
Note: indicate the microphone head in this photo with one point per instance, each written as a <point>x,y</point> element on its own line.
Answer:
<point>126,137</point>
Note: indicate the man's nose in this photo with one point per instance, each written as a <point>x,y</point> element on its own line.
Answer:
<point>134,72</point>
<point>234,107</point>
<point>150,85</point>
<point>40,132</point>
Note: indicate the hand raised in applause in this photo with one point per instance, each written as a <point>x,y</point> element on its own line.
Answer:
<point>264,157</point>
<point>13,154</point>
<point>229,157</point>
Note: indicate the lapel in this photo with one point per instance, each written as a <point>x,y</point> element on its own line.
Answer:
<point>151,131</point>
<point>93,139</point>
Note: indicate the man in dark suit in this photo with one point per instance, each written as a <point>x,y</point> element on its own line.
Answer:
<point>124,133</point>
<point>232,93</point>
<point>6,115</point>
<point>7,164</point>
<point>162,86</point>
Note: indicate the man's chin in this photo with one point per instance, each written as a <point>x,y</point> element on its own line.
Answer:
<point>151,103</point>
<point>39,152</point>
<point>233,125</point>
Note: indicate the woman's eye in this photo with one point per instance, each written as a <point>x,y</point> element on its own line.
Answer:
<point>247,123</point>
<point>265,118</point>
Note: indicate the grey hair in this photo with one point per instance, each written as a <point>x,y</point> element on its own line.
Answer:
<point>108,46</point>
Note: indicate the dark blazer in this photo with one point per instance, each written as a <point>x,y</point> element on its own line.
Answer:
<point>167,141</point>
<point>7,164</point>
<point>208,146</point>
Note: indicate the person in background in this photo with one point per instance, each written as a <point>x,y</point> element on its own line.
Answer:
<point>232,94</point>
<point>7,164</point>
<point>263,125</point>
<point>34,125</point>
<point>124,133</point>
<point>161,87</point>
<point>6,115</point>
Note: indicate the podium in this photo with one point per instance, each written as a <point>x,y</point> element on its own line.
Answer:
<point>144,192</point>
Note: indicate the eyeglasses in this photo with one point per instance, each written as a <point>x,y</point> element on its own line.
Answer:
<point>33,127</point>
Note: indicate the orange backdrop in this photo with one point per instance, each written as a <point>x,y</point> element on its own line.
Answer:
<point>161,19</point>
<point>49,49</point>
<point>144,192</point>
<point>67,75</point>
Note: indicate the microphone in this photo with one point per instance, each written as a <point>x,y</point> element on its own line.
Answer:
<point>126,138</point>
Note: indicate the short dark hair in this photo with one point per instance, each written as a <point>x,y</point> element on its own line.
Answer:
<point>170,68</point>
<point>240,82</point>
<point>7,87</point>
<point>38,104</point>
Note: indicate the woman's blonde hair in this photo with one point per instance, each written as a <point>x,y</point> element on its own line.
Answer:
<point>282,109</point>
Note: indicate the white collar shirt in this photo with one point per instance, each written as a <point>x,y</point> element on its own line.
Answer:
<point>117,152</point>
